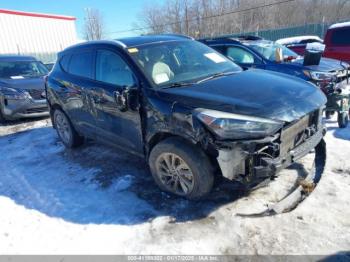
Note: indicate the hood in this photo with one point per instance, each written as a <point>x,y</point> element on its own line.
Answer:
<point>25,83</point>
<point>252,92</point>
<point>326,65</point>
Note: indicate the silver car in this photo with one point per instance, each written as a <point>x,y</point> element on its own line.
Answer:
<point>22,88</point>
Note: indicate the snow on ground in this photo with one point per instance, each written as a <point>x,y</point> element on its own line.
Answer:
<point>95,200</point>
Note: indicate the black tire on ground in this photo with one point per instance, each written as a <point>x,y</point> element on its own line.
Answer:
<point>343,119</point>
<point>194,170</point>
<point>65,130</point>
<point>2,118</point>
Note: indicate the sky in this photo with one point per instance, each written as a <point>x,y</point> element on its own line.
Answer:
<point>119,15</point>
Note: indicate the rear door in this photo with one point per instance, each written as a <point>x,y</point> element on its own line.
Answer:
<point>338,44</point>
<point>113,74</point>
<point>75,87</point>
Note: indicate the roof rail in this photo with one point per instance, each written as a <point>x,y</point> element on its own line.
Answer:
<point>120,43</point>
<point>248,37</point>
<point>180,35</point>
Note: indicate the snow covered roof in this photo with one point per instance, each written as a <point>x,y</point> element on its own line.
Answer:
<point>297,39</point>
<point>338,25</point>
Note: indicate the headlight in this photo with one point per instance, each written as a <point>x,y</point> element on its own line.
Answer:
<point>234,126</point>
<point>319,76</point>
<point>11,93</point>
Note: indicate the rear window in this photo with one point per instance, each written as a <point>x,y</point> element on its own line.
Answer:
<point>80,64</point>
<point>341,36</point>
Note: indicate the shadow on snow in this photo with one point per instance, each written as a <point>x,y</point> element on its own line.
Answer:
<point>92,184</point>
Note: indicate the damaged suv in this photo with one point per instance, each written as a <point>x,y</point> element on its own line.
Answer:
<point>191,112</point>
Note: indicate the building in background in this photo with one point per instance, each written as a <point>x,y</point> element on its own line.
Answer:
<point>36,34</point>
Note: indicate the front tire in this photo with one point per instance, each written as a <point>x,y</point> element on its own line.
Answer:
<point>343,119</point>
<point>181,168</point>
<point>65,130</point>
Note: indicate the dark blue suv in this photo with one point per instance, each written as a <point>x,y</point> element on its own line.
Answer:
<point>180,104</point>
<point>255,52</point>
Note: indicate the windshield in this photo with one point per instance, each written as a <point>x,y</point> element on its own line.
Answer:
<point>170,63</point>
<point>268,49</point>
<point>21,69</point>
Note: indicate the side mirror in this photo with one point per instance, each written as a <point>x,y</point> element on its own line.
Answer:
<point>121,99</point>
<point>126,99</point>
<point>279,55</point>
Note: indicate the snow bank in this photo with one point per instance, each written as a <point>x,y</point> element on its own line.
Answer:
<point>297,39</point>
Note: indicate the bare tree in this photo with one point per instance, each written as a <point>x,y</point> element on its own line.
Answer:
<point>93,24</point>
<point>200,18</point>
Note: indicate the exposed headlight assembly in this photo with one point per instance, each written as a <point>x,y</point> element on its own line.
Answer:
<point>319,76</point>
<point>234,126</point>
<point>11,93</point>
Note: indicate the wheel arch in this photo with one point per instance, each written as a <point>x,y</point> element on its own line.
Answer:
<point>161,136</point>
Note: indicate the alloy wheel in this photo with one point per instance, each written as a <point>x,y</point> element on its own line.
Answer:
<point>63,127</point>
<point>174,173</point>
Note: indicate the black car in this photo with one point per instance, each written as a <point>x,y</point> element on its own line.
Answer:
<point>191,112</point>
<point>22,88</point>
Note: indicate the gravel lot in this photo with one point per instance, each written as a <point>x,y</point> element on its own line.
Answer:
<point>95,200</point>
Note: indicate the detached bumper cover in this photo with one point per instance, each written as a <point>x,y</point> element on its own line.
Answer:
<point>24,108</point>
<point>302,189</point>
<point>271,167</point>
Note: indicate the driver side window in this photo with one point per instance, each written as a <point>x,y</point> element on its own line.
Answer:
<point>112,69</point>
<point>239,55</point>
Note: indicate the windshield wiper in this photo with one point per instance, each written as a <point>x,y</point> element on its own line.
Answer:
<point>178,84</point>
<point>215,76</point>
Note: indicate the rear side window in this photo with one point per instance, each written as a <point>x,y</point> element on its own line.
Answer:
<point>341,36</point>
<point>81,64</point>
<point>64,62</point>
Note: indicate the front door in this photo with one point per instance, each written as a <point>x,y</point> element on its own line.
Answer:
<point>113,75</point>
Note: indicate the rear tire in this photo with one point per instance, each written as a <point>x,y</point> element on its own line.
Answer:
<point>181,168</point>
<point>65,130</point>
<point>2,118</point>
<point>343,119</point>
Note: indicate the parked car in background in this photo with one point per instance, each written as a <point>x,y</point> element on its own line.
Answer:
<point>22,88</point>
<point>49,66</point>
<point>190,111</point>
<point>330,75</point>
<point>298,43</point>
<point>337,41</point>
<point>260,53</point>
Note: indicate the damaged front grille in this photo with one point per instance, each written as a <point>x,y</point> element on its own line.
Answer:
<point>298,132</point>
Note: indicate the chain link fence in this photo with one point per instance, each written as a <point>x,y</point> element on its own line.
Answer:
<point>275,34</point>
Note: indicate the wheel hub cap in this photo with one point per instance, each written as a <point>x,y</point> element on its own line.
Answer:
<point>175,174</point>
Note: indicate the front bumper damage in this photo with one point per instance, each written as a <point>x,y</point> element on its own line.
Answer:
<point>254,162</point>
